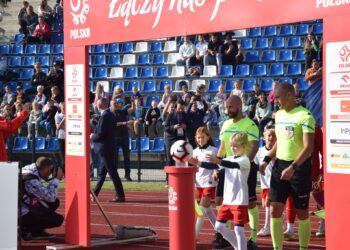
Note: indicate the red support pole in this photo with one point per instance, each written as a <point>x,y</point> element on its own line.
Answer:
<point>181,208</point>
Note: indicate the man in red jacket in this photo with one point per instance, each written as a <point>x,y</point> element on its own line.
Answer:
<point>9,127</point>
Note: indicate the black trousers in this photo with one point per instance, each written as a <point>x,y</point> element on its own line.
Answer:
<point>123,143</point>
<point>40,218</point>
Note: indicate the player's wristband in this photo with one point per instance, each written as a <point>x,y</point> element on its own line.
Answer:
<point>267,159</point>
<point>295,166</point>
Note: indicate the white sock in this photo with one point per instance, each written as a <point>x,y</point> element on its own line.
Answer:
<point>290,227</point>
<point>241,240</point>
<point>267,218</point>
<point>209,211</point>
<point>199,224</point>
<point>226,233</point>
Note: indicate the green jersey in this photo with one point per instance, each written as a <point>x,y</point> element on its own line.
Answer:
<point>290,127</point>
<point>244,125</point>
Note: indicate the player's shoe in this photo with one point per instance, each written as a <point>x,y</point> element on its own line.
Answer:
<point>220,243</point>
<point>264,232</point>
<point>320,233</point>
<point>289,236</point>
<point>251,245</point>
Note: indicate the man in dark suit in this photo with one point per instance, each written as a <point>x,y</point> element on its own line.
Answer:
<point>104,146</point>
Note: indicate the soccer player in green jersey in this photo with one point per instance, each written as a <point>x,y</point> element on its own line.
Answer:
<point>291,174</point>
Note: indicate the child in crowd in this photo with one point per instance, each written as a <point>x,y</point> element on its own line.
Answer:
<point>34,118</point>
<point>137,118</point>
<point>40,97</point>
<point>165,97</point>
<point>238,90</point>
<point>49,122</point>
<point>219,99</point>
<point>137,95</point>
<point>270,140</point>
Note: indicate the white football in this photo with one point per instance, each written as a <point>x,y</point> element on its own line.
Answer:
<point>181,151</point>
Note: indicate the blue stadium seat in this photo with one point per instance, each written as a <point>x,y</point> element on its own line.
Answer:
<point>113,60</point>
<point>98,49</point>
<point>302,29</point>
<point>45,70</point>
<point>143,59</point>
<point>270,30</point>
<point>44,49</point>
<point>158,145</point>
<point>285,55</point>
<point>248,84</point>
<point>268,56</point>
<point>26,85</point>
<point>44,61</point>
<point>242,70</point>
<point>259,70</point>
<point>144,145</point>
<point>156,46</point>
<point>26,74</point>
<point>91,82</point>
<point>30,49</point>
<point>146,72</point>
<point>15,61</point>
<point>246,43</point>
<point>113,48</point>
<point>149,86</point>
<point>28,61</point>
<point>100,73</point>
<point>53,145</point>
<point>17,49</point>
<point>56,37</point>
<point>214,85</point>
<point>57,59</point>
<point>158,59</point>
<point>21,144</point>
<point>294,69</point>
<point>132,84</point>
<point>294,42</point>
<point>118,83</point>
<point>149,100</point>
<point>286,79</point>
<point>317,28</point>
<point>19,38</point>
<point>58,27</point>
<point>277,43</point>
<point>216,142</point>
<point>252,56</point>
<point>57,49</point>
<point>162,72</point>
<point>226,71</point>
<point>262,43</point>
<point>13,86</point>
<point>127,47</point>
<point>229,85</point>
<point>131,72</point>
<point>58,17</point>
<point>276,69</point>
<point>266,84</point>
<point>286,30</point>
<point>299,55</point>
<point>99,60</point>
<point>4,49</point>
<point>255,32</point>
<point>303,84</point>
<point>162,84</point>
<point>39,143</point>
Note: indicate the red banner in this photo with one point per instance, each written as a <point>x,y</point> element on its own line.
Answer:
<point>89,22</point>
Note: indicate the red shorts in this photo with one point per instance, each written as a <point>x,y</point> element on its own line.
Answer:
<point>208,191</point>
<point>239,214</point>
<point>264,193</point>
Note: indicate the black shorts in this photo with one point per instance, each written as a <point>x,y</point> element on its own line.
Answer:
<point>221,183</point>
<point>299,187</point>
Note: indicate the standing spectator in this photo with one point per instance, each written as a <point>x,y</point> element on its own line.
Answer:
<point>230,51</point>
<point>9,97</point>
<point>46,11</point>
<point>34,119</point>
<point>55,77</point>
<point>49,121</point>
<point>314,73</point>
<point>23,11</point>
<point>238,90</point>
<point>263,114</point>
<point>59,122</point>
<point>196,117</point>
<point>239,56</point>
<point>99,93</point>
<point>152,117</point>
<point>40,97</point>
<point>165,96</point>
<point>31,20</point>
<point>42,31</point>
<point>311,48</point>
<point>137,118</point>
<point>38,78</point>
<point>169,107</point>
<point>201,50</point>
<point>186,52</point>
<point>214,52</point>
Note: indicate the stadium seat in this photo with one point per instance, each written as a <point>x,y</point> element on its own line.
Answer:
<point>21,144</point>
<point>19,38</point>
<point>26,85</point>
<point>90,60</point>
<point>15,61</point>
<point>248,84</point>
<point>116,72</point>
<point>90,72</point>
<point>268,56</point>
<point>113,48</point>
<point>214,85</point>
<point>143,59</point>
<point>28,61</point>
<point>105,85</point>
<point>216,142</point>
<point>162,72</point>
<point>4,49</point>
<point>259,70</point>
<point>177,84</point>
<point>56,37</point>
<point>177,71</point>
<point>30,49</point>
<point>262,43</point>
<point>131,84</point>
<point>158,58</point>
<point>44,49</point>
<point>242,70</point>
<point>156,46</point>
<point>294,69</point>
<point>17,49</point>
<point>170,46</point>
<point>172,58</point>
<point>147,72</point>
<point>98,49</point>
<point>303,84</point>
<point>100,73</point>
<point>270,30</point>
<point>144,145</point>
<point>158,145</point>
<point>277,43</point>
<point>299,55</point>
<point>197,82</point>
<point>57,49</point>
<point>286,79</point>
<point>45,70</point>
<point>266,84</point>
<point>141,47</point>
<point>149,100</point>
<point>246,43</point>
<point>12,85</point>
<point>118,83</point>
<point>285,55</point>
<point>113,60</point>
<point>58,27</point>
<point>229,86</point>
<point>286,30</point>
<point>162,84</point>
<point>39,143</point>
<point>26,74</point>
<point>127,47</point>
<point>53,145</point>
<point>149,86</point>
<point>57,59</point>
<point>44,61</point>
<point>276,69</point>
<point>294,42</point>
<point>252,56</point>
<point>226,71</point>
<point>131,72</point>
<point>317,28</point>
<point>255,32</point>
<point>129,59</point>
<point>209,71</point>
<point>58,17</point>
<point>302,29</point>
<point>99,60</point>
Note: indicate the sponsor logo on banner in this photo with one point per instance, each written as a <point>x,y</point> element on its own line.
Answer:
<point>172,199</point>
<point>331,3</point>
<point>79,10</point>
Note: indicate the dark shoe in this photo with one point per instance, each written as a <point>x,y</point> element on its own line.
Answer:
<point>251,245</point>
<point>128,178</point>
<point>220,243</point>
<point>42,235</point>
<point>118,199</point>
<point>217,238</point>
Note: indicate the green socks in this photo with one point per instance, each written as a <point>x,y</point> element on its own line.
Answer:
<point>304,227</point>
<point>253,222</point>
<point>277,233</point>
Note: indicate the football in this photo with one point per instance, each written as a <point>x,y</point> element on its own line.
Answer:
<point>181,151</point>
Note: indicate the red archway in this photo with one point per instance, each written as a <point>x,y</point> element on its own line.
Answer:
<point>106,21</point>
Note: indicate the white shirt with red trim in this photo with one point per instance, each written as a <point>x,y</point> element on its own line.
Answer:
<point>259,157</point>
<point>204,177</point>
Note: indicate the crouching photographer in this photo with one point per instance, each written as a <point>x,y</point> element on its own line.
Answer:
<point>39,199</point>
